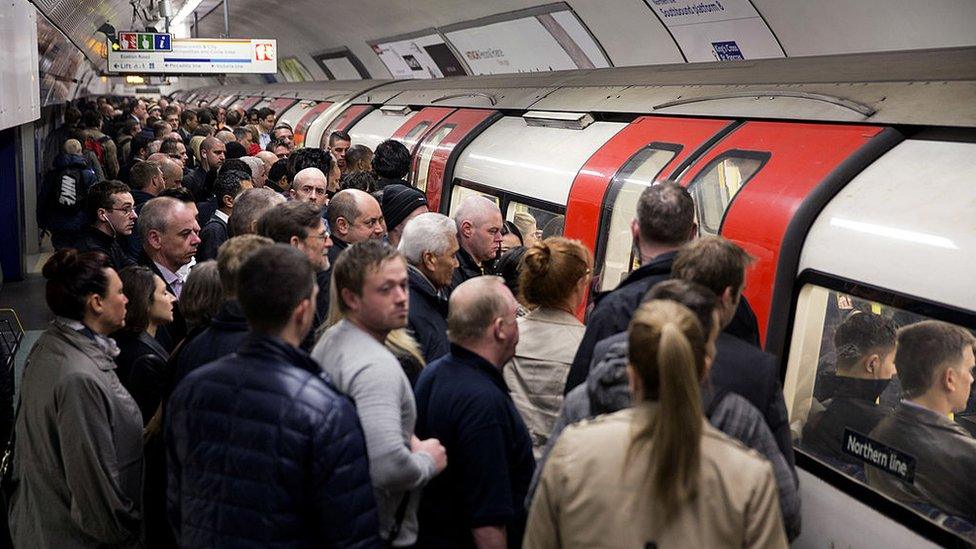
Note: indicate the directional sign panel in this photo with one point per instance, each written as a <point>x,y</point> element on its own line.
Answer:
<point>144,41</point>
<point>142,53</point>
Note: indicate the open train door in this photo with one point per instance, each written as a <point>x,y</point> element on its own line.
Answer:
<point>434,162</point>
<point>749,185</point>
<point>416,129</point>
<point>603,198</point>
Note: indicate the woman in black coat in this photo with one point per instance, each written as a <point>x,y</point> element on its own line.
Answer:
<point>142,360</point>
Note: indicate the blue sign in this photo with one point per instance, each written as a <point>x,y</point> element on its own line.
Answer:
<point>163,42</point>
<point>727,51</point>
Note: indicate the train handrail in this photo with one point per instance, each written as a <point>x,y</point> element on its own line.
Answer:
<point>859,108</point>
<point>491,98</point>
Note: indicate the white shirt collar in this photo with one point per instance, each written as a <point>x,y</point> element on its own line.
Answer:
<point>221,215</point>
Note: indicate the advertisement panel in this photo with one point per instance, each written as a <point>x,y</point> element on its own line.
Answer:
<point>554,40</point>
<point>294,70</point>
<point>717,30</point>
<point>197,56</point>
<point>424,56</point>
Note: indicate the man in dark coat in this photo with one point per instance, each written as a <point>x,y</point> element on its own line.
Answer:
<point>229,327</point>
<point>429,244</point>
<point>61,200</point>
<point>214,232</point>
<point>200,181</point>
<point>147,182</point>
<point>665,222</point>
<point>111,210</point>
<point>479,230</point>
<point>354,216</point>
<point>320,493</point>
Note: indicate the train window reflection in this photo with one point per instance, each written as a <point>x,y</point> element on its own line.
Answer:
<point>426,154</point>
<point>718,183</point>
<point>621,202</point>
<point>884,396</point>
<point>535,223</point>
<point>410,140</point>
<point>459,193</point>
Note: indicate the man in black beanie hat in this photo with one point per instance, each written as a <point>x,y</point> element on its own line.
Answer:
<point>401,204</point>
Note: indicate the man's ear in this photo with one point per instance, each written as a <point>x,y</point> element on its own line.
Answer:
<point>872,363</point>
<point>635,229</point>
<point>950,380</point>
<point>227,201</point>
<point>428,260</point>
<point>467,228</point>
<point>154,240</point>
<point>294,241</point>
<point>342,225</point>
<point>350,298</point>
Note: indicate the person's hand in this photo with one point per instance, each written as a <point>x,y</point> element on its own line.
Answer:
<point>433,448</point>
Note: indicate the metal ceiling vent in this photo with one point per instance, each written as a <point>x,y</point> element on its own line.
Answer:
<point>553,119</point>
<point>395,110</point>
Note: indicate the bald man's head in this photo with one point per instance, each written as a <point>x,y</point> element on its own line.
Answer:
<point>355,216</point>
<point>212,153</point>
<point>479,224</point>
<point>172,173</point>
<point>482,318</point>
<point>311,185</point>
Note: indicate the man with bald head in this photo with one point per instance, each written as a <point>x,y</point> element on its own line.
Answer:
<point>354,216</point>
<point>479,226</point>
<point>201,180</point>
<point>311,185</point>
<point>268,158</point>
<point>172,173</point>
<point>462,401</point>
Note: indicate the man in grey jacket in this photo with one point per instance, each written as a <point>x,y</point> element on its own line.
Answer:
<point>370,282</point>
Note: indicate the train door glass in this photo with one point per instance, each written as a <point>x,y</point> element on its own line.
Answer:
<point>715,187</point>
<point>626,186</point>
<point>344,121</point>
<point>301,127</point>
<point>280,105</point>
<point>460,192</point>
<point>293,114</point>
<point>378,126</point>
<point>851,362</point>
<point>426,153</point>
<point>244,103</point>
<point>438,145</point>
<point>416,129</point>
<point>535,222</point>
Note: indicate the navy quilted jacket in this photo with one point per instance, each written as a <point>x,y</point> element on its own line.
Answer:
<point>263,452</point>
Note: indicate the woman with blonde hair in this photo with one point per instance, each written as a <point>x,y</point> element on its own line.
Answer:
<point>656,474</point>
<point>552,283</point>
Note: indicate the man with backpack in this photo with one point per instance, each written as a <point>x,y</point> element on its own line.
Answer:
<point>61,200</point>
<point>100,144</point>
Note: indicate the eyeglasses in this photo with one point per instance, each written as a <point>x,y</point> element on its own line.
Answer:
<point>126,210</point>
<point>323,236</point>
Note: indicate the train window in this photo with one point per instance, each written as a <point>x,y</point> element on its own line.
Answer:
<point>459,193</point>
<point>535,222</point>
<point>638,172</point>
<point>718,183</point>
<point>410,140</point>
<point>883,413</point>
<point>426,154</point>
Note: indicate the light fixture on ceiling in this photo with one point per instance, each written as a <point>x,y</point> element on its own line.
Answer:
<point>185,11</point>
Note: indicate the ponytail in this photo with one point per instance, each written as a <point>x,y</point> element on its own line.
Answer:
<point>667,350</point>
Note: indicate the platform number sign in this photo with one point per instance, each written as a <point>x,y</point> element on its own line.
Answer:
<point>145,41</point>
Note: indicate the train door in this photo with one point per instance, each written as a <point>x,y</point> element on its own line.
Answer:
<point>293,114</point>
<point>347,119</point>
<point>748,186</point>
<point>603,198</point>
<point>380,125</point>
<point>245,102</point>
<point>437,152</point>
<point>413,131</point>
<point>305,121</point>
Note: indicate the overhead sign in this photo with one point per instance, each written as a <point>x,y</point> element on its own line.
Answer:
<point>145,41</point>
<point>195,56</point>
<point>717,30</point>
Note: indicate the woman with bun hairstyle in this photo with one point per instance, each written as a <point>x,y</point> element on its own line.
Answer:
<point>77,462</point>
<point>552,284</point>
<point>656,474</point>
<point>142,360</point>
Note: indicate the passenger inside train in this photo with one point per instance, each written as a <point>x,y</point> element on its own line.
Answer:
<point>392,340</point>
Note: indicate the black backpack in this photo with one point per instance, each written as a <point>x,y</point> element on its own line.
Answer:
<point>62,195</point>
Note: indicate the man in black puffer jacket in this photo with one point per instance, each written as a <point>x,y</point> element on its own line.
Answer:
<point>261,449</point>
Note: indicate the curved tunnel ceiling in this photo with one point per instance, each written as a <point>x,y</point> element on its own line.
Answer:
<point>630,32</point>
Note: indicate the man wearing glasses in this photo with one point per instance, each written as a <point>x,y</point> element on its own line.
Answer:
<point>112,215</point>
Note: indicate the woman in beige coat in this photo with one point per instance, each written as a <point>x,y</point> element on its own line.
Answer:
<point>656,474</point>
<point>553,283</point>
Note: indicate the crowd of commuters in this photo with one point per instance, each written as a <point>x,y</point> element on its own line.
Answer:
<point>263,345</point>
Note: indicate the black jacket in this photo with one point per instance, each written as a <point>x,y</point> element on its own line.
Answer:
<point>170,335</point>
<point>133,243</point>
<point>263,451</point>
<point>613,312</point>
<point>467,268</point>
<point>428,316</point>
<point>338,246</point>
<point>200,183</point>
<point>851,404</point>
<point>383,182</point>
<point>227,331</point>
<point>141,367</point>
<point>322,279</point>
<point>212,235</point>
<point>93,239</point>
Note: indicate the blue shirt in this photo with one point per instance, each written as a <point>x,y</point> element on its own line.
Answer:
<point>463,401</point>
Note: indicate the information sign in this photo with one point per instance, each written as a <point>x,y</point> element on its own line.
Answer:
<point>717,30</point>
<point>146,53</point>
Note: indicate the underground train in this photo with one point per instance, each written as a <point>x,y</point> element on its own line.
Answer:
<point>850,179</point>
